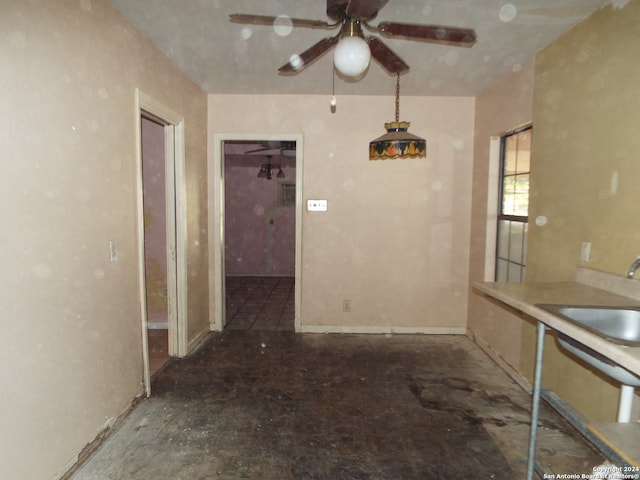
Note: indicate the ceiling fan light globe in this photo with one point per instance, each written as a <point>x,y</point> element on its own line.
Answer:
<point>351,56</point>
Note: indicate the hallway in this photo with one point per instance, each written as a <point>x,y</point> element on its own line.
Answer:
<point>279,405</point>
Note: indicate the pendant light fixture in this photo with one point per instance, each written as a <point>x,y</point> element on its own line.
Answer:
<point>266,170</point>
<point>397,142</point>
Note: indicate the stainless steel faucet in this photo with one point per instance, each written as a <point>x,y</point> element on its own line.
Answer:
<point>632,269</point>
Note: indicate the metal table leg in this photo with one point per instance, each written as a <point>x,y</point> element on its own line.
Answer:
<point>535,402</point>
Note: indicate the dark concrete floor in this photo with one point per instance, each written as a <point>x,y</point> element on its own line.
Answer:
<point>280,405</point>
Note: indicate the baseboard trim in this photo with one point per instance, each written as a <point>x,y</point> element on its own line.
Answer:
<point>158,325</point>
<point>356,329</point>
<point>501,362</point>
<point>253,275</point>
<point>197,341</point>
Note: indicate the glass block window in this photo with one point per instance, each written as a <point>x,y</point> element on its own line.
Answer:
<point>513,209</point>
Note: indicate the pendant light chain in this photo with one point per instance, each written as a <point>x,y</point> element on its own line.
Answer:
<point>398,97</point>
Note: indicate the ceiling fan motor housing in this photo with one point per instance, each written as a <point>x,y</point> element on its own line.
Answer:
<point>361,9</point>
<point>336,8</point>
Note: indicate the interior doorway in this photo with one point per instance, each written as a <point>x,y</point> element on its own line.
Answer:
<point>161,232</point>
<point>155,239</point>
<point>259,181</point>
<point>257,191</point>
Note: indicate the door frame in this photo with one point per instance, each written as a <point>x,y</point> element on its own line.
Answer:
<point>217,221</point>
<point>175,197</point>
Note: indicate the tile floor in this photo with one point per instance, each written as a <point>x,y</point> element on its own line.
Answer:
<point>260,303</point>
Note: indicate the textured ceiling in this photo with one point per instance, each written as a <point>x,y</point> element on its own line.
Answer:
<point>228,58</point>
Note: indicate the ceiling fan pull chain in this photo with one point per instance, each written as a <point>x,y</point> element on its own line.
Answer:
<point>333,101</point>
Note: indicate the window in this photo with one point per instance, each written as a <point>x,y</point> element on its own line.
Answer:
<point>286,194</point>
<point>513,207</point>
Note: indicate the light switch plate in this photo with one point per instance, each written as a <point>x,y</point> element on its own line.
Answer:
<point>316,205</point>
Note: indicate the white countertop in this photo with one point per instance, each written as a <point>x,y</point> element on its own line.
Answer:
<point>525,296</point>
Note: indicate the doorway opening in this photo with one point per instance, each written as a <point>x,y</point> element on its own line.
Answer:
<point>257,208</point>
<point>161,234</point>
<point>155,240</point>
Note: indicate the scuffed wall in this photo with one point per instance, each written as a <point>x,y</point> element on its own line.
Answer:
<point>71,356</point>
<point>505,105</point>
<point>584,178</point>
<point>582,97</point>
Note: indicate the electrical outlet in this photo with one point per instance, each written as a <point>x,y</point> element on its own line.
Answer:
<point>346,305</point>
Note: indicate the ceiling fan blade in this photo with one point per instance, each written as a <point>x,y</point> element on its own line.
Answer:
<point>365,9</point>
<point>391,62</point>
<point>464,37</point>
<point>259,150</point>
<point>309,56</point>
<point>267,20</point>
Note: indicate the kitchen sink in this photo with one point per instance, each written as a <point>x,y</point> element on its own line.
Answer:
<point>619,325</point>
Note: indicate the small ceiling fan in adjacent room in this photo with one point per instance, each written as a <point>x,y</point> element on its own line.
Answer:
<point>286,148</point>
<point>267,169</point>
<point>353,49</point>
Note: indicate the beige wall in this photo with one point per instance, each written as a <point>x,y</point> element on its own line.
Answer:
<point>395,238</point>
<point>71,333</point>
<point>587,114</point>
<point>585,172</point>
<point>502,107</point>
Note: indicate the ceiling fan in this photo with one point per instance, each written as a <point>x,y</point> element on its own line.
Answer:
<point>287,148</point>
<point>351,16</point>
